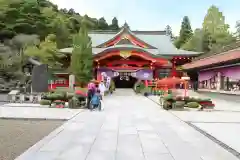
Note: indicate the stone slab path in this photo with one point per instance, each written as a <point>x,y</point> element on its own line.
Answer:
<point>130,128</point>
<point>37,113</point>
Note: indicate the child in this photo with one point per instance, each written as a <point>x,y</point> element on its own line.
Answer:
<point>96,100</point>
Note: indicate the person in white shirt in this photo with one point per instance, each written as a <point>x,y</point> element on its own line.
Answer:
<point>102,88</point>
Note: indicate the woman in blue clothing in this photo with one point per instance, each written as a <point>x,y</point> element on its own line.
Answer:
<point>96,100</point>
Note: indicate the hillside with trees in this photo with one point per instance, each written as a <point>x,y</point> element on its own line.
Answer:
<point>38,28</point>
<point>211,37</point>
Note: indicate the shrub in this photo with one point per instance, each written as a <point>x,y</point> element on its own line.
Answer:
<point>57,102</point>
<point>45,102</point>
<point>179,104</point>
<point>54,96</point>
<point>168,97</point>
<point>139,86</point>
<point>69,95</point>
<point>146,91</point>
<point>193,105</point>
<point>167,105</point>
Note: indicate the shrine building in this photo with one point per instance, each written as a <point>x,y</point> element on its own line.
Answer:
<point>127,56</point>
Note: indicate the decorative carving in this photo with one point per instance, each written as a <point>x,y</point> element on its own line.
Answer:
<point>125,54</point>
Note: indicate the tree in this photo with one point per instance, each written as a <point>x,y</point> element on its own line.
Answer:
<point>38,17</point>
<point>195,42</point>
<point>114,25</point>
<point>185,33</point>
<point>102,24</point>
<point>169,32</point>
<point>45,52</point>
<point>62,33</point>
<point>82,58</point>
<point>216,29</point>
<point>238,30</point>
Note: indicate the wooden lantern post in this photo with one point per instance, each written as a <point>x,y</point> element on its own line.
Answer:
<point>186,79</point>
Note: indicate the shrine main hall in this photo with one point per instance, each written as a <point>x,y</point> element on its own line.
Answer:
<point>127,56</point>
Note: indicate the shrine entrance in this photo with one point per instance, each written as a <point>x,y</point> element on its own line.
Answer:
<point>124,80</point>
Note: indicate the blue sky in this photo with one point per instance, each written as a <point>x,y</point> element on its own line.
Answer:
<point>153,14</point>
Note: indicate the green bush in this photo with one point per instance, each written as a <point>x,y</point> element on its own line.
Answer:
<point>146,90</point>
<point>193,104</point>
<point>69,95</point>
<point>139,86</point>
<point>168,97</point>
<point>57,102</point>
<point>55,96</point>
<point>179,104</point>
<point>167,105</point>
<point>45,102</point>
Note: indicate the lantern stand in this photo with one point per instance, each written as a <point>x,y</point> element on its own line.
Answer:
<point>186,79</point>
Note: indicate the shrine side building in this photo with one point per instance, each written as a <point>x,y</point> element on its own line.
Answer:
<point>217,72</point>
<point>127,56</point>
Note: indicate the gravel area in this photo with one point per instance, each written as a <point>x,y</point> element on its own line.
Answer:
<point>16,136</point>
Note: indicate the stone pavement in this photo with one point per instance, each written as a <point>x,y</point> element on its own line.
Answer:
<point>223,123</point>
<point>130,128</point>
<point>37,113</point>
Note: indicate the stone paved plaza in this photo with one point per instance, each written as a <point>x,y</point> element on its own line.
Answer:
<point>131,127</point>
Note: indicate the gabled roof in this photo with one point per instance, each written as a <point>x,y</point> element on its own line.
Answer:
<point>159,42</point>
<point>125,31</point>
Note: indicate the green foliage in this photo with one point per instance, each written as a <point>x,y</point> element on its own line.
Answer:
<point>114,25</point>
<point>185,32</point>
<point>213,35</point>
<point>82,58</point>
<point>169,33</point>
<point>179,104</point>
<point>139,87</point>
<point>45,102</point>
<point>192,105</point>
<point>41,18</point>
<point>168,97</point>
<point>195,43</point>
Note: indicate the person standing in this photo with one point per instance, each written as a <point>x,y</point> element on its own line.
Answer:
<point>90,93</point>
<point>102,88</point>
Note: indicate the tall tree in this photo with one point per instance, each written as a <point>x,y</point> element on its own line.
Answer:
<point>185,32</point>
<point>82,58</point>
<point>216,29</point>
<point>114,25</point>
<point>195,42</point>
<point>102,24</point>
<point>238,30</point>
<point>169,33</point>
<point>62,33</point>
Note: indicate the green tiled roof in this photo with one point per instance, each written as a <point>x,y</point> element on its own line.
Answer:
<point>156,39</point>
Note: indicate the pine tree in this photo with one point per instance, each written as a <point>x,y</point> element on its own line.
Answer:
<point>82,58</point>
<point>169,33</point>
<point>185,33</point>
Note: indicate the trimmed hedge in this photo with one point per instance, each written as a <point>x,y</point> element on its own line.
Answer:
<point>193,105</point>
<point>45,102</point>
<point>179,104</point>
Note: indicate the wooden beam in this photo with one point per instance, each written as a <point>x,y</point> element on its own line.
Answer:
<point>129,62</point>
